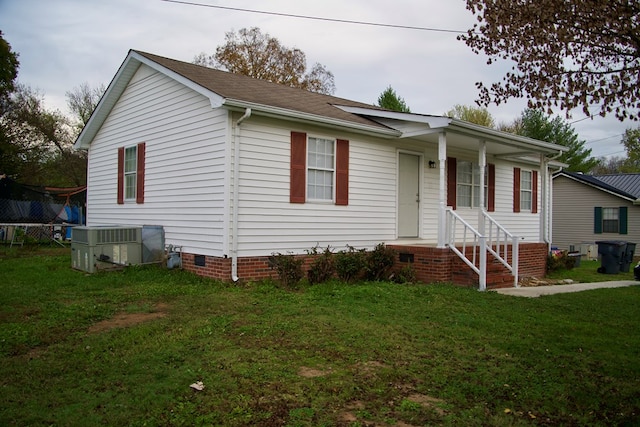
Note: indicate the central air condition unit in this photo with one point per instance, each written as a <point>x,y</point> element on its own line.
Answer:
<point>105,247</point>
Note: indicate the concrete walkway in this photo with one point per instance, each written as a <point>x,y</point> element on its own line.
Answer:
<point>536,291</point>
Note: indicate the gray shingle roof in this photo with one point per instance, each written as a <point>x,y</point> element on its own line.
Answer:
<point>247,89</point>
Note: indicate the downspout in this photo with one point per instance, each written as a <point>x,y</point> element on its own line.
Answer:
<point>236,194</point>
<point>547,217</point>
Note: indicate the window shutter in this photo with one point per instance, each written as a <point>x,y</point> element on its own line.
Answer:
<point>597,220</point>
<point>534,192</point>
<point>342,172</point>
<point>516,189</point>
<point>622,217</point>
<point>140,172</point>
<point>491,187</point>
<point>298,173</point>
<point>120,181</point>
<point>452,172</point>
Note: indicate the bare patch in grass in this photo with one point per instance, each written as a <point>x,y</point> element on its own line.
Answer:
<point>427,402</point>
<point>307,372</point>
<point>123,320</point>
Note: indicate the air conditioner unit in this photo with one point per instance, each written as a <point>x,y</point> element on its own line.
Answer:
<point>105,247</point>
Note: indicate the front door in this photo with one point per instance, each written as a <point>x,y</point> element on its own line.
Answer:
<point>408,195</point>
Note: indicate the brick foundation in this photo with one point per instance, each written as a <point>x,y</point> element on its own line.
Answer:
<point>430,265</point>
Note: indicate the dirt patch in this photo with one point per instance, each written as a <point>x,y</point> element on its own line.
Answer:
<point>307,372</point>
<point>534,281</point>
<point>123,320</point>
<point>427,402</point>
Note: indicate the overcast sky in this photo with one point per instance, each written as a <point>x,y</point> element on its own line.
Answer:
<point>64,43</point>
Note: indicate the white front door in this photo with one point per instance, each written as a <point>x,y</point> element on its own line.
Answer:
<point>408,195</point>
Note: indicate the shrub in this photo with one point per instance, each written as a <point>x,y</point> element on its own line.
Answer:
<point>379,262</point>
<point>405,275</point>
<point>557,260</point>
<point>288,267</point>
<point>322,267</point>
<point>350,264</point>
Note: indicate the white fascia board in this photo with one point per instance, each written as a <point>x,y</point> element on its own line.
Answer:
<point>299,116</point>
<point>434,122</point>
<point>118,85</point>
<point>488,134</point>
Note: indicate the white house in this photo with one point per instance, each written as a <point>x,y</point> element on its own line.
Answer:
<point>236,169</point>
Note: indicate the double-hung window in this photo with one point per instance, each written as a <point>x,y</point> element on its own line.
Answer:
<point>320,168</point>
<point>610,220</point>
<point>468,185</point>
<point>526,190</point>
<point>130,172</point>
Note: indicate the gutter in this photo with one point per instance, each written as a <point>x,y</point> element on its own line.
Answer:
<point>236,194</point>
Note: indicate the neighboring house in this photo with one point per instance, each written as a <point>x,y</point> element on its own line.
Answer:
<point>236,169</point>
<point>587,209</point>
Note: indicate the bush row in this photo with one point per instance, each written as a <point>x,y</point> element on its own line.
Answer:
<point>348,265</point>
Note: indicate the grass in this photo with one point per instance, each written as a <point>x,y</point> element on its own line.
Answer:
<point>328,355</point>
<point>587,272</point>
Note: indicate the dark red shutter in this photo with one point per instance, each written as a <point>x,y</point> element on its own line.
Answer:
<point>534,192</point>
<point>120,181</point>
<point>140,173</point>
<point>452,172</point>
<point>516,189</point>
<point>342,172</point>
<point>298,173</point>
<point>491,187</point>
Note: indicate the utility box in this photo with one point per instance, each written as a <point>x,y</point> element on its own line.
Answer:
<point>105,247</point>
<point>152,244</point>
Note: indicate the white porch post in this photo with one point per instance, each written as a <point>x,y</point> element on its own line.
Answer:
<point>442,158</point>
<point>545,216</point>
<point>482,162</point>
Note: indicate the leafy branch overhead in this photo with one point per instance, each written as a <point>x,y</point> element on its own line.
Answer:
<point>254,54</point>
<point>566,54</point>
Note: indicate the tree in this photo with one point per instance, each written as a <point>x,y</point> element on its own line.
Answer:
<point>535,124</point>
<point>609,165</point>
<point>567,54</point>
<point>631,142</point>
<point>478,115</point>
<point>391,101</point>
<point>82,100</point>
<point>254,54</point>
<point>8,72</point>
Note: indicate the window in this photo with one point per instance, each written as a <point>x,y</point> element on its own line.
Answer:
<point>526,190</point>
<point>468,185</point>
<point>130,172</point>
<point>320,168</point>
<point>610,220</point>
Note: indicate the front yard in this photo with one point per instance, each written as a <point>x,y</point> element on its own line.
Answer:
<point>123,348</point>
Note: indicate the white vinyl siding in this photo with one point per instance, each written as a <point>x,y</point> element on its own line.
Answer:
<point>185,165</point>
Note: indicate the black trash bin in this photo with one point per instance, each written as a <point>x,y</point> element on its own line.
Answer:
<point>627,259</point>
<point>611,254</point>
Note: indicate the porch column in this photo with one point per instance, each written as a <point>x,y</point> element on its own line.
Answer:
<point>442,198</point>
<point>482,162</point>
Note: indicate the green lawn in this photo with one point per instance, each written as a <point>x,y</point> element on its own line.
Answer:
<point>122,348</point>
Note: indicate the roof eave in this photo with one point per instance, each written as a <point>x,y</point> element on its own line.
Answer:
<point>302,117</point>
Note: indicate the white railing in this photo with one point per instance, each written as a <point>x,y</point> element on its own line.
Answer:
<point>495,240</point>
<point>461,233</point>
<point>498,240</point>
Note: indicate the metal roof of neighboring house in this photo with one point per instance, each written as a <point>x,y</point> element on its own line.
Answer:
<point>597,182</point>
<point>627,182</point>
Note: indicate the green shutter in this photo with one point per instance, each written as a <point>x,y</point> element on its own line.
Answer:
<point>622,217</point>
<point>597,220</point>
